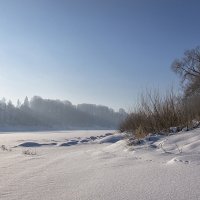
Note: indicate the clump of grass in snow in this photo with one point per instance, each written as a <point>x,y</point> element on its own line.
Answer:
<point>5,148</point>
<point>29,152</point>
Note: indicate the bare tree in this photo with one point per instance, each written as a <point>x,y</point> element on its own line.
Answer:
<point>188,68</point>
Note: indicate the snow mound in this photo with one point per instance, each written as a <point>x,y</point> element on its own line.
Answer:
<point>107,138</point>
<point>35,144</point>
<point>30,144</point>
<point>111,138</point>
<point>120,145</point>
<point>183,142</point>
<point>69,143</point>
<point>64,141</point>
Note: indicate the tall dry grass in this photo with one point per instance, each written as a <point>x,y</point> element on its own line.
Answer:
<point>157,113</point>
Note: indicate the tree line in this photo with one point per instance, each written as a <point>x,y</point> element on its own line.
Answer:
<point>39,113</point>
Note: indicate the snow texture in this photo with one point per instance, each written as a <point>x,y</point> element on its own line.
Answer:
<point>99,165</point>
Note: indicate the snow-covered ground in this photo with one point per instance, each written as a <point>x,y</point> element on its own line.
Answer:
<point>94,165</point>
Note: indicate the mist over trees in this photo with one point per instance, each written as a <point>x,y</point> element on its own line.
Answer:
<point>39,113</point>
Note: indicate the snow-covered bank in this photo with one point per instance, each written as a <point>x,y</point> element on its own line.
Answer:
<point>97,165</point>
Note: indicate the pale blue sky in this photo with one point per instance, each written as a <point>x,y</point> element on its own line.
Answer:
<point>94,51</point>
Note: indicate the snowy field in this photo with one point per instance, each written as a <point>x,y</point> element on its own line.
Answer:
<point>95,165</point>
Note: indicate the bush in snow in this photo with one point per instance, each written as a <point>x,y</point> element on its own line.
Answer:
<point>164,114</point>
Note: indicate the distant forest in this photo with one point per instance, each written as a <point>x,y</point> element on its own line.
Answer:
<point>46,114</point>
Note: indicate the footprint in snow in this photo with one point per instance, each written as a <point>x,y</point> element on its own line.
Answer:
<point>186,159</point>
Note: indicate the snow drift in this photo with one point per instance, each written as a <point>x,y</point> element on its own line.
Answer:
<point>95,165</point>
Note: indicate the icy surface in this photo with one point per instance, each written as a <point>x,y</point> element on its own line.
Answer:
<point>98,165</point>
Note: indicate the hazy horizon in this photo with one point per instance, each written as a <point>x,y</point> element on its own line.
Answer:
<point>47,114</point>
<point>21,101</point>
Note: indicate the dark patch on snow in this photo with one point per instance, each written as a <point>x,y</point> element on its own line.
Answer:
<point>35,144</point>
<point>70,143</point>
<point>107,134</point>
